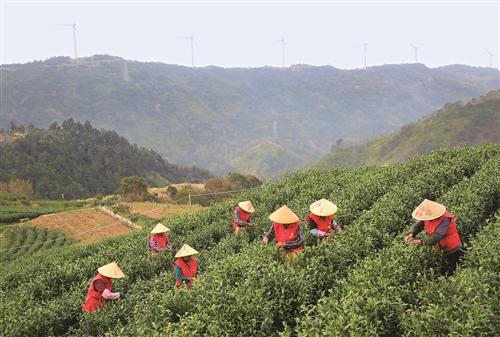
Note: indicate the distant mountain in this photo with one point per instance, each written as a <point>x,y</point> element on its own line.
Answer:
<point>471,123</point>
<point>266,159</point>
<point>77,160</point>
<point>209,116</point>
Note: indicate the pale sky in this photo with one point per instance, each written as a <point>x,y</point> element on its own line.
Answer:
<point>246,34</point>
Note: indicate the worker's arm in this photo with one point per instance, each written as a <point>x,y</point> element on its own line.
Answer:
<point>179,276</point>
<point>438,234</point>
<point>417,228</point>
<point>239,222</point>
<point>313,228</point>
<point>336,227</point>
<point>106,294</point>
<point>169,244</point>
<point>154,246</point>
<point>269,235</point>
<point>298,242</point>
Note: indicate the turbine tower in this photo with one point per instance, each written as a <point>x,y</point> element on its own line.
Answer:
<point>365,49</point>
<point>282,41</point>
<point>275,133</point>
<point>491,57</point>
<point>191,38</point>
<point>415,49</point>
<point>125,76</point>
<point>72,25</point>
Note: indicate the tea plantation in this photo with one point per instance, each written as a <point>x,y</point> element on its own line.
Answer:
<point>364,282</point>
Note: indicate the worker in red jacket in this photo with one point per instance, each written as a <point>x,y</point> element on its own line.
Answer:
<point>286,230</point>
<point>321,221</point>
<point>186,266</point>
<point>441,229</point>
<point>101,287</point>
<point>159,241</point>
<point>241,217</point>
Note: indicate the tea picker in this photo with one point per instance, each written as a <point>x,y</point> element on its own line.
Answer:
<point>321,221</point>
<point>286,230</point>
<point>241,216</point>
<point>441,229</point>
<point>101,287</point>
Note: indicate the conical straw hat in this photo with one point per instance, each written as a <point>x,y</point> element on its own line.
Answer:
<point>186,250</point>
<point>428,210</point>
<point>246,206</point>
<point>323,207</point>
<point>160,228</point>
<point>284,215</point>
<point>111,270</point>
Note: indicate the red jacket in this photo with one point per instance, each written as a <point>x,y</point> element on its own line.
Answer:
<point>451,239</point>
<point>323,224</point>
<point>285,235</point>
<point>94,298</point>
<point>189,269</point>
<point>162,240</point>
<point>244,216</point>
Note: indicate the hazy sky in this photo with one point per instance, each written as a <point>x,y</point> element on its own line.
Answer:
<point>245,34</point>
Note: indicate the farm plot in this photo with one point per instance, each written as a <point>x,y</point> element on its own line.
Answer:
<point>84,226</point>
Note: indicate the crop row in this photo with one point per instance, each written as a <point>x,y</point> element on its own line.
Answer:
<point>52,298</point>
<point>20,241</point>
<point>373,298</point>
<point>283,287</point>
<point>467,303</point>
<point>351,185</point>
<point>66,274</point>
<point>15,211</point>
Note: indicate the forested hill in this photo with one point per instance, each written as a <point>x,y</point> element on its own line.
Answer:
<point>472,123</point>
<point>211,116</point>
<point>77,160</point>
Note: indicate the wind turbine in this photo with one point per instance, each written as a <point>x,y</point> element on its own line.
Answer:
<point>191,38</point>
<point>415,49</point>
<point>365,50</point>
<point>491,58</point>
<point>282,41</point>
<point>73,25</point>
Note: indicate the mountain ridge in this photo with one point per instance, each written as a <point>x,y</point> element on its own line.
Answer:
<point>198,115</point>
<point>456,124</point>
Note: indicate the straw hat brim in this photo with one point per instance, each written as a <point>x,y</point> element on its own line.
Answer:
<point>245,205</point>
<point>111,270</point>
<point>436,210</point>
<point>160,228</point>
<point>186,250</point>
<point>284,215</point>
<point>326,208</point>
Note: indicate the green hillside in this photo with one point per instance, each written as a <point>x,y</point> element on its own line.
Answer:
<point>266,159</point>
<point>364,282</point>
<point>77,160</point>
<point>472,123</point>
<point>207,116</point>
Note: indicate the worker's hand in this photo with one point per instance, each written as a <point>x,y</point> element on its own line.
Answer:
<point>408,238</point>
<point>265,240</point>
<point>416,242</point>
<point>280,244</point>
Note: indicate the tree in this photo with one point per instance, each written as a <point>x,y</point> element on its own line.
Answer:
<point>133,188</point>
